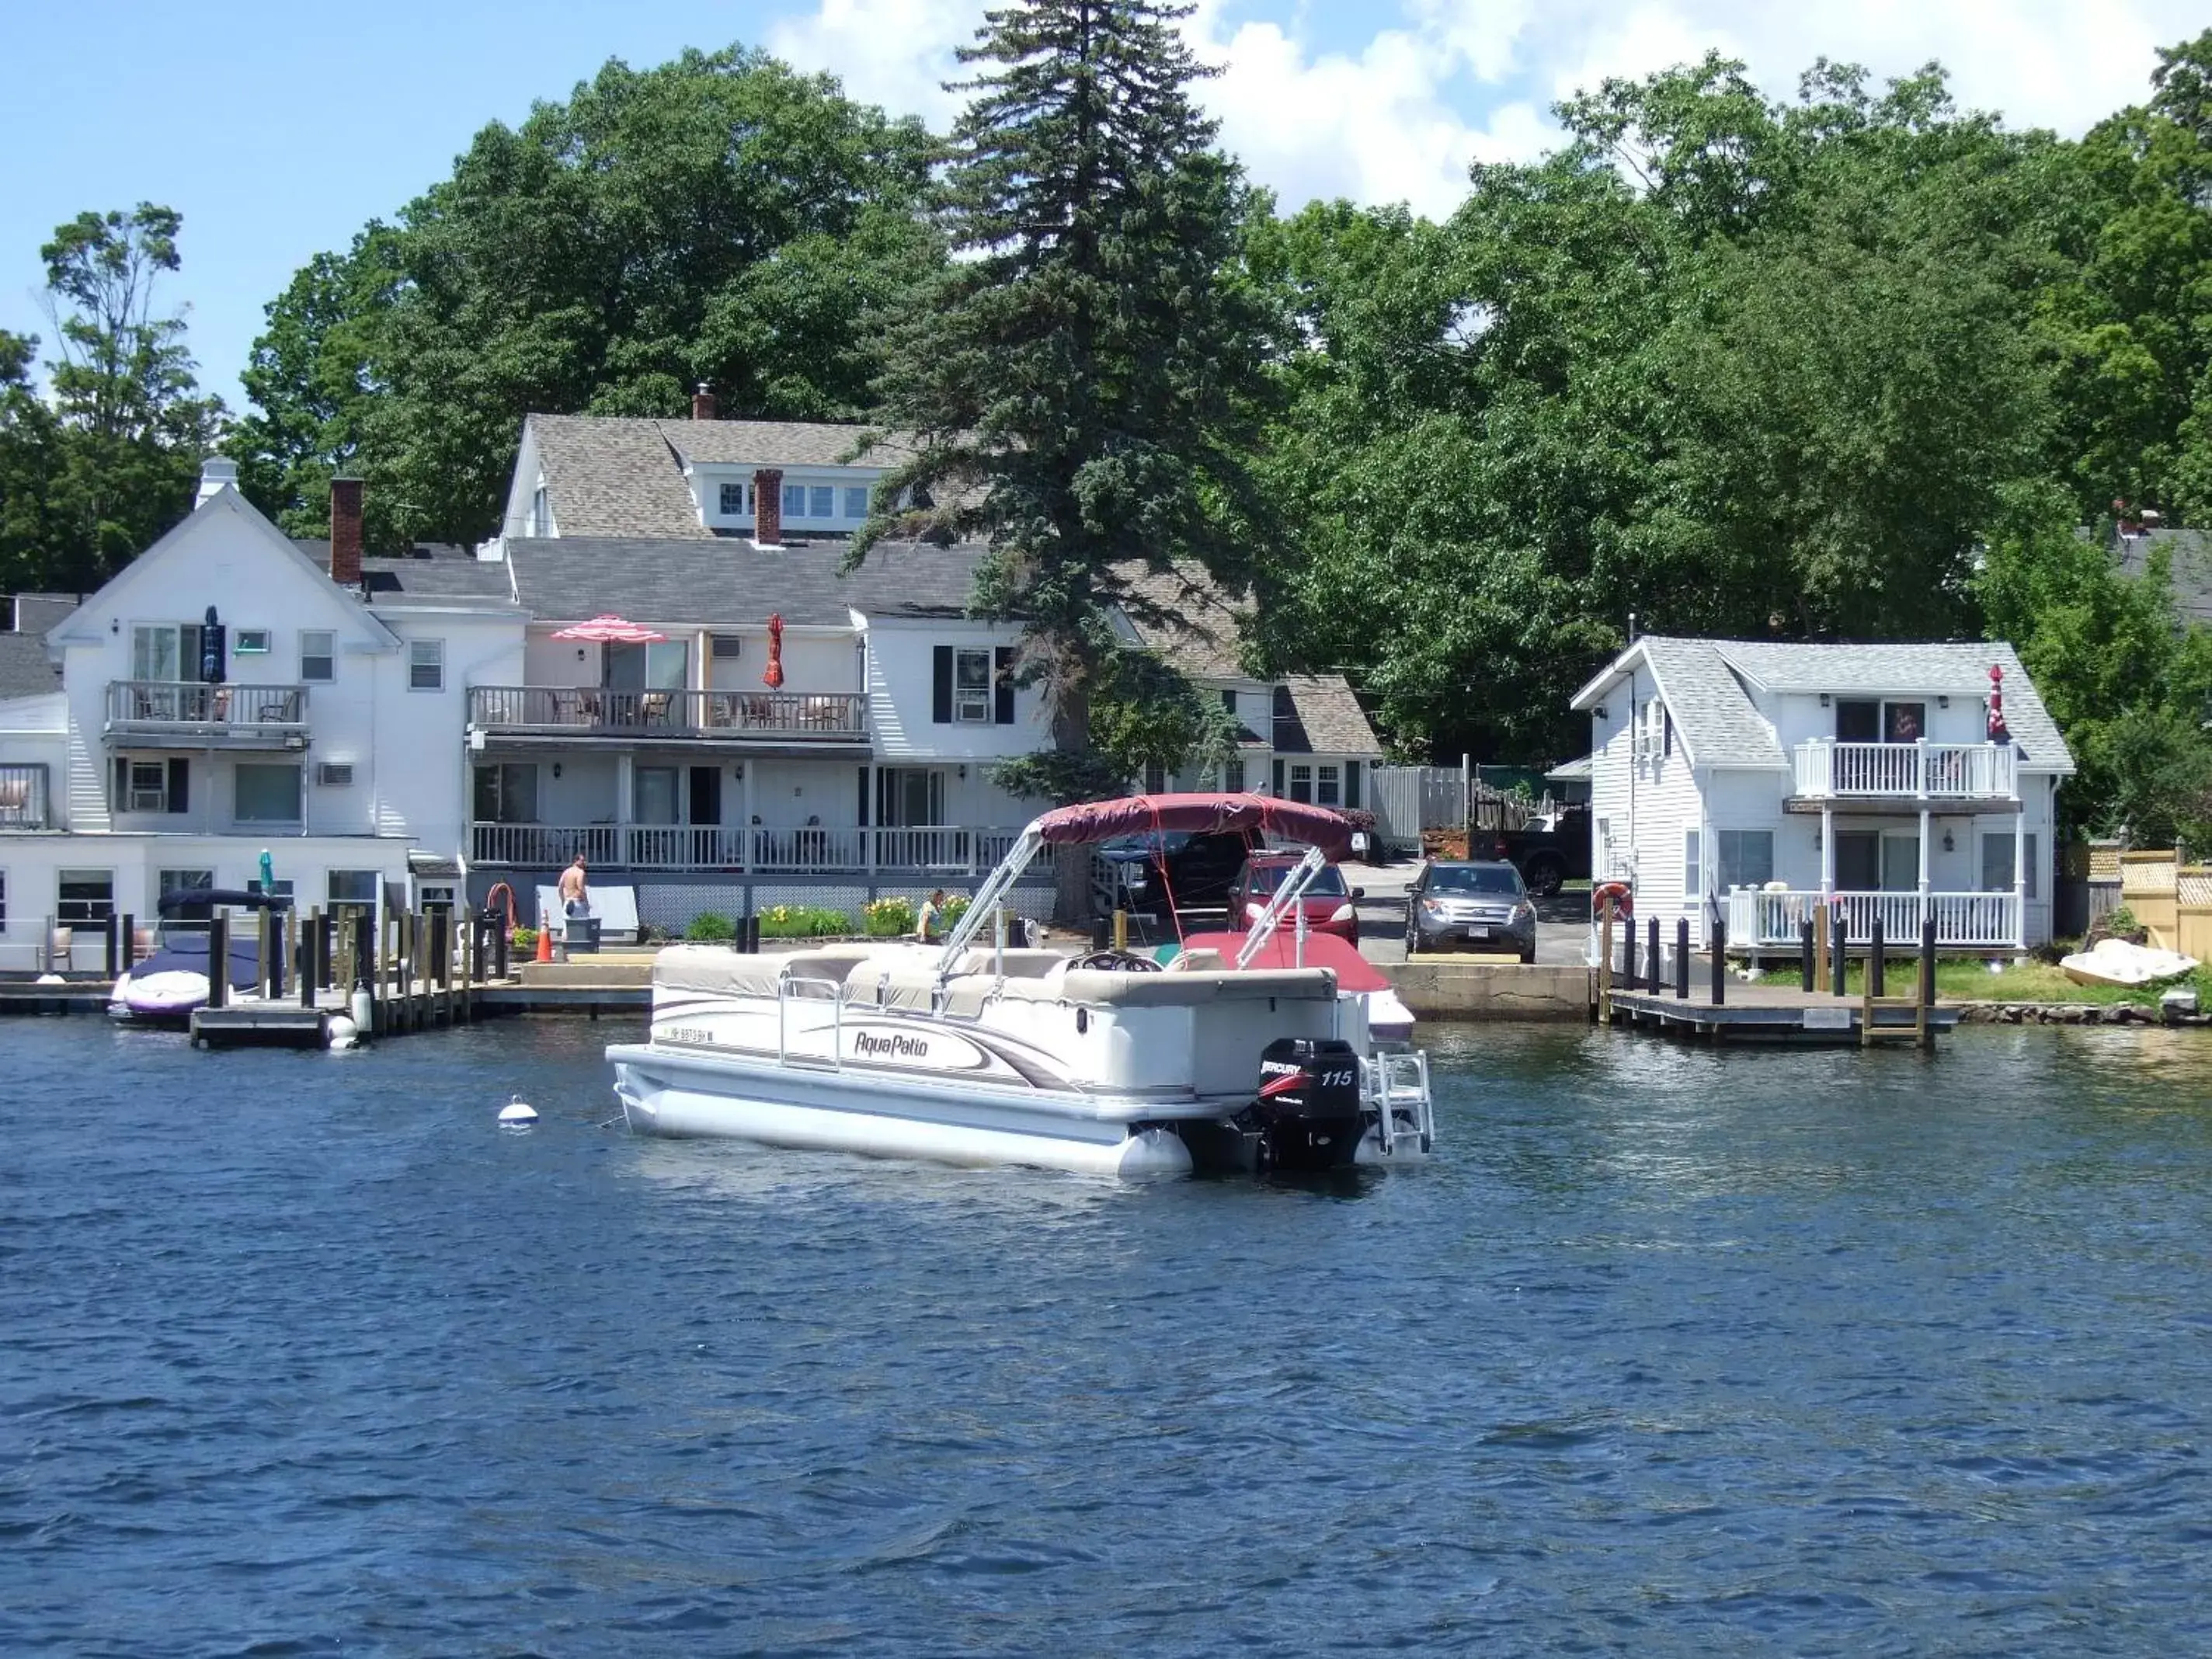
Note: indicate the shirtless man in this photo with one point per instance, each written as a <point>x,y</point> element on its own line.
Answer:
<point>575,894</point>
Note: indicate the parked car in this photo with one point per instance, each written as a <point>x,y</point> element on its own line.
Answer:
<point>1476,903</point>
<point>1550,851</point>
<point>1177,869</point>
<point>1329,904</point>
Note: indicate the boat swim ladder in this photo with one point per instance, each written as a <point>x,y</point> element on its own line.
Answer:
<point>788,991</point>
<point>1395,1082</point>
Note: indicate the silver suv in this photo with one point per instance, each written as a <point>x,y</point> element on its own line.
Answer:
<point>1475,905</point>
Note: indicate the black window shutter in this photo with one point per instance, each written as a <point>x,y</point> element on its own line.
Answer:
<point>864,797</point>
<point>1352,783</point>
<point>1278,777</point>
<point>119,801</point>
<point>180,774</point>
<point>940,702</point>
<point>1002,676</point>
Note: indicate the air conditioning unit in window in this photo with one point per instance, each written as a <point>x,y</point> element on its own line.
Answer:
<point>726,646</point>
<point>334,774</point>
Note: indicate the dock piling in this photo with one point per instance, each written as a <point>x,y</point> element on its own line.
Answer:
<point>1682,958</point>
<point>1718,946</point>
<point>1806,957</point>
<point>1838,952</point>
<point>218,958</point>
<point>1654,974</point>
<point>130,941</point>
<point>1605,960</point>
<point>1875,965</point>
<point>1925,1032</point>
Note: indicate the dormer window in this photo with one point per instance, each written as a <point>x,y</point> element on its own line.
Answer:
<point>737,501</point>
<point>541,513</point>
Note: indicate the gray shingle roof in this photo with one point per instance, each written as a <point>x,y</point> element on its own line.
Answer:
<point>41,613</point>
<point>440,577</point>
<point>621,475</point>
<point>1707,686</point>
<point>24,670</point>
<point>702,583</point>
<point>614,477</point>
<point>2191,563</point>
<point>1202,641</point>
<point>1317,714</point>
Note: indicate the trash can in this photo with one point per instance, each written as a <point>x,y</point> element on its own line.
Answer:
<point>583,935</point>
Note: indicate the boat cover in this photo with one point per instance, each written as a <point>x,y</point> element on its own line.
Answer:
<point>1353,971</point>
<point>1202,814</point>
<point>187,953</point>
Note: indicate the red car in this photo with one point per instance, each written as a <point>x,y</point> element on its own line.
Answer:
<point>1328,902</point>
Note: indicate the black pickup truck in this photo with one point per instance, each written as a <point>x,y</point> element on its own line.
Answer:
<point>1553,850</point>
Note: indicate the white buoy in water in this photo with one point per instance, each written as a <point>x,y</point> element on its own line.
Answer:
<point>342,1032</point>
<point>516,1115</point>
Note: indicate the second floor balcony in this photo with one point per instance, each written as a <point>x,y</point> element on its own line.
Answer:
<point>1945,774</point>
<point>826,718</point>
<point>153,713</point>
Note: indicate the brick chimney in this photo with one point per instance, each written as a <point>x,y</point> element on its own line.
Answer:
<point>703,406</point>
<point>345,532</point>
<point>768,507</point>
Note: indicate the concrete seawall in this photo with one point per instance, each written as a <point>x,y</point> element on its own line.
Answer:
<point>1490,990</point>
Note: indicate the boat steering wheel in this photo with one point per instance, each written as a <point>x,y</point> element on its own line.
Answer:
<point>1117,962</point>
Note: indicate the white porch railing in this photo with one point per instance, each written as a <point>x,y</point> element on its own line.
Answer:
<point>950,849</point>
<point>1828,770</point>
<point>1765,919</point>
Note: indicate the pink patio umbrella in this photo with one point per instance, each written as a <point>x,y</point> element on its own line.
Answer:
<point>612,630</point>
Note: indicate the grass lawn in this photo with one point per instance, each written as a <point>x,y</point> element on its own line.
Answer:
<point>1959,979</point>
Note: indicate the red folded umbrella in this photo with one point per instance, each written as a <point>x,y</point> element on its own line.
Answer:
<point>773,675</point>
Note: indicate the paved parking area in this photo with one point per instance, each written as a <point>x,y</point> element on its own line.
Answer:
<point>1562,922</point>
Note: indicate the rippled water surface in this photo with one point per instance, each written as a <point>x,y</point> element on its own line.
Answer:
<point>1666,1352</point>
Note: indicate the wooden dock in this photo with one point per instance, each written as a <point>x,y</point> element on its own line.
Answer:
<point>1682,995</point>
<point>1780,1013</point>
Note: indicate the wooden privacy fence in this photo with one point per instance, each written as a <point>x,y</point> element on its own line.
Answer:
<point>2171,901</point>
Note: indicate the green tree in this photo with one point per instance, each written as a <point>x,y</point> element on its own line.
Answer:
<point>122,443</point>
<point>1079,384</point>
<point>1730,364</point>
<point>719,219</point>
<point>2127,685</point>
<point>28,457</point>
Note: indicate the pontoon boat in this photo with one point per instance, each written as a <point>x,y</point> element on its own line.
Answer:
<point>976,1052</point>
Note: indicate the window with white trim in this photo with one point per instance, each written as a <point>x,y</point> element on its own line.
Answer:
<point>353,886</point>
<point>737,501</point>
<point>1996,862</point>
<point>856,500</point>
<point>249,642</point>
<point>794,500</point>
<point>821,502</point>
<point>1746,857</point>
<point>1328,784</point>
<point>1302,781</point>
<point>318,656</point>
<point>1693,866</point>
<point>84,899</point>
<point>971,687</point>
<point>426,665</point>
<point>266,792</point>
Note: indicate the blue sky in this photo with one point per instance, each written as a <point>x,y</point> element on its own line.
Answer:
<point>279,131</point>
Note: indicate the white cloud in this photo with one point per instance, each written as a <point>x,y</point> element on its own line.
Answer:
<point>1437,84</point>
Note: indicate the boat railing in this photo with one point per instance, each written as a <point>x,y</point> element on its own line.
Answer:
<point>790,989</point>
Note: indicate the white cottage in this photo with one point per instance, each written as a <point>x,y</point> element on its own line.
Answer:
<point>1755,780</point>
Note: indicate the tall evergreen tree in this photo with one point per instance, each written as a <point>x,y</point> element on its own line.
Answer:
<point>1079,384</point>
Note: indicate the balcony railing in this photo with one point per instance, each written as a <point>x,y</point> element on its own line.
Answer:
<point>1829,770</point>
<point>1769,919</point>
<point>23,797</point>
<point>595,711</point>
<point>811,849</point>
<point>193,708</point>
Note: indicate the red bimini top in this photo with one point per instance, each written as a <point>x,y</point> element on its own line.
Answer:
<point>1280,950</point>
<point>1136,815</point>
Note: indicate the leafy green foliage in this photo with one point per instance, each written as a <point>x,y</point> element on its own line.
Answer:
<point>719,219</point>
<point>95,472</point>
<point>803,921</point>
<point>710,928</point>
<point>2127,686</point>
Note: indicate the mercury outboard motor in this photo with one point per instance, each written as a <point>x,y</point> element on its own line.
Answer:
<point>1309,1113</point>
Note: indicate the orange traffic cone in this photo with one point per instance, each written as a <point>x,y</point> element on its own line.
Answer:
<point>545,937</point>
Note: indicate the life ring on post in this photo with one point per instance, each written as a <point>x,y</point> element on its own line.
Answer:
<point>1624,900</point>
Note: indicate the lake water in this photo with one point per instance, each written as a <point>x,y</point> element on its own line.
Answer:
<point>1666,1352</point>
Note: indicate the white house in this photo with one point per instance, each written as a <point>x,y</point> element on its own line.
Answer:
<point>684,766</point>
<point>1898,781</point>
<point>226,695</point>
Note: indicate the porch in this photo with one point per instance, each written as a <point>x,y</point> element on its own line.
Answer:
<point>23,796</point>
<point>808,849</point>
<point>548,711</point>
<point>1826,771</point>
<point>1773,919</point>
<point>159,712</point>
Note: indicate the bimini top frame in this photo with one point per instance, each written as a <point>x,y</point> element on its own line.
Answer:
<point>1326,835</point>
